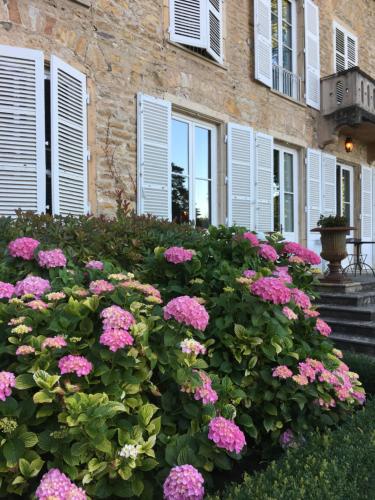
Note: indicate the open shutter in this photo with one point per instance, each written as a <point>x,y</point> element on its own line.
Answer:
<point>340,49</point>
<point>351,51</point>
<point>263,41</point>
<point>215,29</point>
<point>314,197</point>
<point>22,140</point>
<point>366,211</point>
<point>154,157</point>
<point>68,139</point>
<point>312,54</point>
<point>264,182</point>
<point>240,175</point>
<point>188,22</point>
<point>329,202</point>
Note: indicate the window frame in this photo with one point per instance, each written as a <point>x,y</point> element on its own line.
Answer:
<point>294,27</point>
<point>192,123</point>
<point>347,34</point>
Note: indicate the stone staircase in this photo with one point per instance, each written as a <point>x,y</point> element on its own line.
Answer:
<point>351,315</point>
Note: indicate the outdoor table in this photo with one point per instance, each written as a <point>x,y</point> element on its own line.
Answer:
<point>359,263</point>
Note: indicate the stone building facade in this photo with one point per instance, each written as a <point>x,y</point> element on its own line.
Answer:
<point>242,121</point>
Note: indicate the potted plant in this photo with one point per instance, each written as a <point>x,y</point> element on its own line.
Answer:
<point>333,230</point>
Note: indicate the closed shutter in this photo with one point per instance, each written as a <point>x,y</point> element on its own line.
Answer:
<point>329,203</point>
<point>264,183</point>
<point>154,157</point>
<point>240,176</point>
<point>346,49</point>
<point>263,41</point>
<point>312,54</point>
<point>188,22</point>
<point>366,211</point>
<point>314,197</point>
<point>22,149</point>
<point>215,29</point>
<point>68,139</point>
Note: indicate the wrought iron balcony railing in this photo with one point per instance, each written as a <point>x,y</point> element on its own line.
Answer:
<point>286,82</point>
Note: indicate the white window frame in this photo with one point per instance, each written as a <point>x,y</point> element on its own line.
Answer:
<point>347,35</point>
<point>350,169</point>
<point>282,149</point>
<point>192,123</point>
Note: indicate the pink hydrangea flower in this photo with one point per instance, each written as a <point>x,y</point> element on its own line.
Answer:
<point>101,286</point>
<point>282,371</point>
<point>178,255</point>
<point>291,315</point>
<point>294,259</point>
<point>51,258</point>
<point>116,338</point>
<point>205,393</point>
<point>251,238</point>
<point>54,342</point>
<point>300,379</point>
<point>7,381</point>
<point>184,482</point>
<point>95,264</point>
<point>6,290</point>
<point>23,248</point>
<point>56,296</point>
<point>145,289</point>
<point>307,371</point>
<point>287,438</point>
<point>337,353</point>
<point>304,255</point>
<point>282,273</point>
<point>188,311</point>
<point>311,313</point>
<point>323,328</point>
<point>191,346</point>
<point>116,317</point>
<point>24,350</point>
<point>327,404</point>
<point>226,434</point>
<point>249,273</point>
<point>300,298</point>
<point>37,305</point>
<point>75,364</point>
<point>271,290</point>
<point>268,253</point>
<point>32,285</point>
<point>328,377</point>
<point>57,486</point>
<point>359,396</point>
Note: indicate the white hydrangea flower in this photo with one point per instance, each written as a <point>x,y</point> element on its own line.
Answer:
<point>130,451</point>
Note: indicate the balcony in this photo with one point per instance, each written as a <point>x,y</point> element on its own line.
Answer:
<point>348,108</point>
<point>286,82</point>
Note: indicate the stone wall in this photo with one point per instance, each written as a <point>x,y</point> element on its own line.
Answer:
<point>123,47</point>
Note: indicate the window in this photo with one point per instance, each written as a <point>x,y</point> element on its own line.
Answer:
<point>43,151</point>
<point>344,192</point>
<point>285,196</point>
<point>198,24</point>
<point>193,171</point>
<point>345,49</point>
<point>284,53</point>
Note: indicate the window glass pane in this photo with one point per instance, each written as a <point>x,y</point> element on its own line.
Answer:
<point>275,53</point>
<point>180,147</point>
<point>287,35</point>
<point>289,213</point>
<point>338,190</point>
<point>346,186</point>
<point>287,11</point>
<point>287,59</point>
<point>276,190</point>
<point>180,199</point>
<point>275,6</point>
<point>203,203</point>
<point>288,173</point>
<point>346,212</point>
<point>202,153</point>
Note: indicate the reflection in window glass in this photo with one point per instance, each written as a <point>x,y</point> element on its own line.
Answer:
<point>202,153</point>
<point>180,170</point>
<point>276,190</point>
<point>203,203</point>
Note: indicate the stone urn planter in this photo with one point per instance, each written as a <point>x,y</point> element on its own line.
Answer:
<point>333,241</point>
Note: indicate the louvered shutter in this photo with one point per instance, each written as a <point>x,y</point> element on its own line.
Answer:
<point>215,29</point>
<point>22,141</point>
<point>264,182</point>
<point>68,139</point>
<point>329,202</point>
<point>263,41</point>
<point>313,197</point>
<point>366,211</point>
<point>154,157</point>
<point>240,175</point>
<point>352,51</point>
<point>346,49</point>
<point>312,54</point>
<point>188,22</point>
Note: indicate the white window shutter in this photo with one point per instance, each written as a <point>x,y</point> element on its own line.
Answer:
<point>313,197</point>
<point>263,41</point>
<point>329,202</point>
<point>22,140</point>
<point>188,22</point>
<point>240,176</point>
<point>312,54</point>
<point>367,199</point>
<point>215,29</point>
<point>154,157</point>
<point>352,51</point>
<point>68,139</point>
<point>264,182</point>
<point>340,49</point>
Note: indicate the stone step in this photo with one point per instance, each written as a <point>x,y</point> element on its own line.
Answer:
<point>365,345</point>
<point>360,313</point>
<point>362,329</point>
<point>348,299</point>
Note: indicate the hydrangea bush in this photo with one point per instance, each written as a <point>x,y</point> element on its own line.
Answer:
<point>149,381</point>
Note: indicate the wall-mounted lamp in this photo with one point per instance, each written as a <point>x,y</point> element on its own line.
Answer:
<point>349,146</point>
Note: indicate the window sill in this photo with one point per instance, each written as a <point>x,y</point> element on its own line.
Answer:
<point>196,55</point>
<point>291,99</point>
